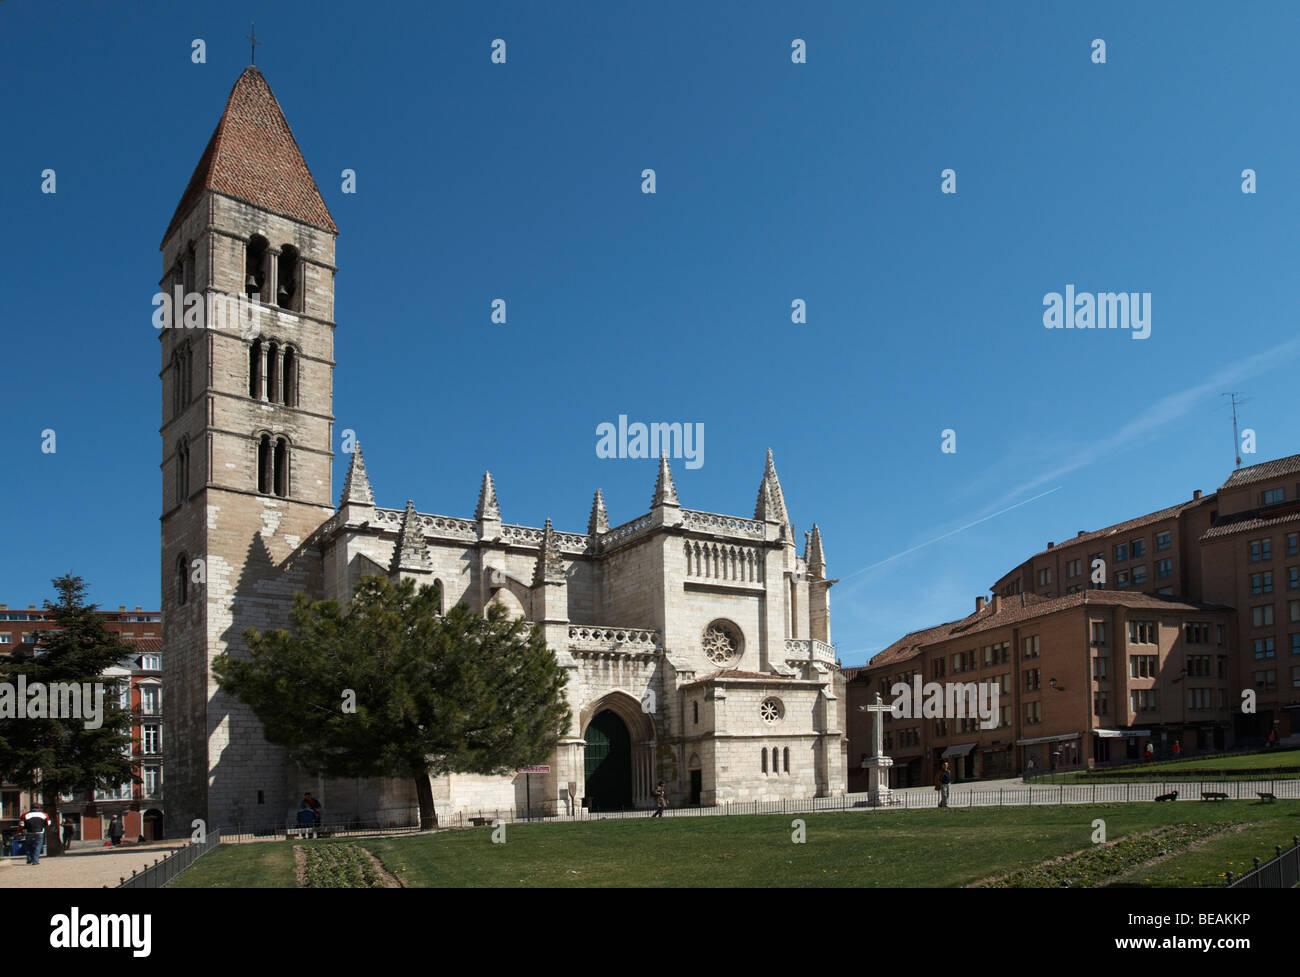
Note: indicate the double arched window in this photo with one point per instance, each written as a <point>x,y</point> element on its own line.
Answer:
<point>182,378</point>
<point>255,265</point>
<point>273,465</point>
<point>275,277</point>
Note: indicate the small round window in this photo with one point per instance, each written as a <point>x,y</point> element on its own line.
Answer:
<point>771,710</point>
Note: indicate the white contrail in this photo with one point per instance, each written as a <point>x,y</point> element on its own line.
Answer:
<point>953,532</point>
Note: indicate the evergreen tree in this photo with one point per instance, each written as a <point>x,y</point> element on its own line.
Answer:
<point>388,687</point>
<point>48,756</point>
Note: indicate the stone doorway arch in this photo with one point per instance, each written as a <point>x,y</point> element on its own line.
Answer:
<point>624,769</point>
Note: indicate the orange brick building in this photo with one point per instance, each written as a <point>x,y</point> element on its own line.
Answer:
<point>1228,562</point>
<point>139,681</point>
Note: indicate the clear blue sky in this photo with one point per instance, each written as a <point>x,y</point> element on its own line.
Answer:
<point>776,181</point>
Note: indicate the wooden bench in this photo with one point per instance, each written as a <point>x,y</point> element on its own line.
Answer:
<point>1266,796</point>
<point>1213,795</point>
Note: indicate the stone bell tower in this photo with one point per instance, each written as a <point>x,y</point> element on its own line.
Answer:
<point>247,429</point>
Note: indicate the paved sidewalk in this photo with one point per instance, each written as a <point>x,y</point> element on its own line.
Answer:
<point>87,868</point>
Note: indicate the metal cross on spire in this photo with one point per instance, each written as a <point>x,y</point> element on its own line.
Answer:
<point>253,42</point>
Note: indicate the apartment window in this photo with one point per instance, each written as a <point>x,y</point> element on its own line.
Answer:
<point>1138,548</point>
<point>1264,648</point>
<point>1143,666</point>
<point>1261,583</point>
<point>1143,700</point>
<point>1261,549</point>
<point>1196,633</point>
<point>1004,716</point>
<point>1044,576</point>
<point>1164,568</point>
<point>1164,540</point>
<point>1294,606</point>
<point>1074,568</point>
<point>1142,632</point>
<point>1275,495</point>
<point>1031,647</point>
<point>1295,677</point>
<point>1139,576</point>
<point>151,662</point>
<point>151,739</point>
<point>1101,703</point>
<point>1121,580</point>
<point>937,667</point>
<point>151,699</point>
<point>1033,679</point>
<point>5,639</point>
<point>1262,617</point>
<point>1100,668</point>
<point>1074,589</point>
<point>1098,632</point>
<point>1266,681</point>
<point>1121,552</point>
<point>1223,666</point>
<point>1218,631</point>
<point>152,777</point>
<point>1292,544</point>
<point>1033,713</point>
<point>1292,578</point>
<point>941,727</point>
<point>1199,699</point>
<point>1295,643</point>
<point>1198,665</point>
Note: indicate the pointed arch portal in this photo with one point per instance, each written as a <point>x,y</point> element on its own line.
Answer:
<point>618,766</point>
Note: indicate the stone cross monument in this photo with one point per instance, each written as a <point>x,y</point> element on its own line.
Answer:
<point>877,765</point>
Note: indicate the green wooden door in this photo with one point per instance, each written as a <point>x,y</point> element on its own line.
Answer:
<point>608,763</point>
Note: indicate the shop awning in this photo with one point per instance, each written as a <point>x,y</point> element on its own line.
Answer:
<point>1114,734</point>
<point>961,749</point>
<point>1048,739</point>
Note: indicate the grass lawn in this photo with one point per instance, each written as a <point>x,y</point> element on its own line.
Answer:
<point>928,848</point>
<point>1251,766</point>
<point>260,865</point>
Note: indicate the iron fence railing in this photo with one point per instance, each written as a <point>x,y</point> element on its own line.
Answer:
<point>163,870</point>
<point>1282,871</point>
<point>326,829</point>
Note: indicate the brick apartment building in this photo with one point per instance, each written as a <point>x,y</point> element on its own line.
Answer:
<point>139,681</point>
<point>1203,600</point>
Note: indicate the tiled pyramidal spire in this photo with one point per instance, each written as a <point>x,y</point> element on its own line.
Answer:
<point>599,521</point>
<point>356,486</point>
<point>813,557</point>
<point>550,566</point>
<point>487,500</point>
<point>252,156</point>
<point>665,490</point>
<point>412,552</point>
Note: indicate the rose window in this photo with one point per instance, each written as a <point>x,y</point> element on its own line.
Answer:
<point>770,710</point>
<point>721,644</point>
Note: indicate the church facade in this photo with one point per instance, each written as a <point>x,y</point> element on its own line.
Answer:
<point>697,645</point>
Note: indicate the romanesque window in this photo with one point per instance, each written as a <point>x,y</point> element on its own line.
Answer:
<point>695,706</point>
<point>182,378</point>
<point>255,265</point>
<point>255,357</point>
<point>722,643</point>
<point>771,710</point>
<point>182,470</point>
<point>765,759</point>
<point>786,758</point>
<point>187,272</point>
<point>273,372</point>
<point>182,579</point>
<point>273,465</point>
<point>289,381</point>
<point>287,275</point>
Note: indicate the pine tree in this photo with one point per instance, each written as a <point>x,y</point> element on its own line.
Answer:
<point>388,687</point>
<point>47,756</point>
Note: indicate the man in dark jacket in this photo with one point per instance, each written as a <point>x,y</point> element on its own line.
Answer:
<point>944,783</point>
<point>34,823</point>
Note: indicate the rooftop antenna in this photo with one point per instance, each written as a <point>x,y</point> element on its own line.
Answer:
<point>253,42</point>
<point>1236,438</point>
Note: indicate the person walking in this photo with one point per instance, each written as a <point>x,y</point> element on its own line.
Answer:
<point>69,830</point>
<point>1150,751</point>
<point>1178,750</point>
<point>310,803</point>
<point>661,800</point>
<point>115,830</point>
<point>34,823</point>
<point>943,783</point>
